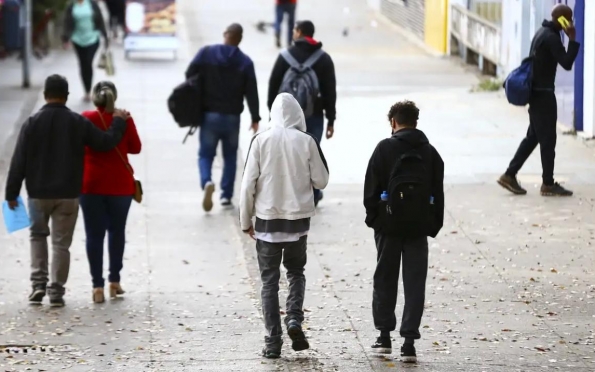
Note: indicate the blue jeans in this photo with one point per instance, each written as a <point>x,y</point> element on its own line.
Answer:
<point>214,128</point>
<point>315,126</point>
<point>103,213</point>
<point>280,11</point>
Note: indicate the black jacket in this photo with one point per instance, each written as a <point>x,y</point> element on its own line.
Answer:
<point>549,52</point>
<point>97,19</point>
<point>324,69</point>
<point>50,152</point>
<point>381,165</point>
<point>227,76</point>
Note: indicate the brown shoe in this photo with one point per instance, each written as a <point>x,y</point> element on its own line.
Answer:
<point>511,184</point>
<point>98,296</point>
<point>555,190</point>
<point>115,289</point>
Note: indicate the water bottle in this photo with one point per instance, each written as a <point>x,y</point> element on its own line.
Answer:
<point>384,196</point>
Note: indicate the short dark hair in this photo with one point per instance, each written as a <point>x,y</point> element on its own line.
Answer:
<point>56,86</point>
<point>306,28</point>
<point>405,113</point>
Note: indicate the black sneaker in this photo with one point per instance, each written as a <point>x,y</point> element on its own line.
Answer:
<point>318,198</point>
<point>555,190</point>
<point>37,295</point>
<point>298,338</point>
<point>408,354</point>
<point>383,345</point>
<point>273,346</point>
<point>57,302</point>
<point>226,203</point>
<point>511,184</point>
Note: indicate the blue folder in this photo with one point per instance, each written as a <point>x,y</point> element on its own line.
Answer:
<point>16,219</point>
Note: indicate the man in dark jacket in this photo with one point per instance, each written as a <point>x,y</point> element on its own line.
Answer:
<point>49,157</point>
<point>548,51</point>
<point>227,75</point>
<point>304,46</point>
<point>391,246</point>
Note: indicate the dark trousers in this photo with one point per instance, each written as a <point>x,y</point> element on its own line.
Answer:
<point>543,116</point>
<point>315,126</point>
<point>280,11</point>
<point>224,128</point>
<point>294,258</point>
<point>105,213</point>
<point>117,12</point>
<point>386,281</point>
<point>85,56</point>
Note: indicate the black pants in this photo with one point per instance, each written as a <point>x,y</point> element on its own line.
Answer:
<point>117,12</point>
<point>543,116</point>
<point>86,56</point>
<point>386,281</point>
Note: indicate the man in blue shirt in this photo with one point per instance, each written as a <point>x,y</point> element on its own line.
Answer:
<point>227,75</point>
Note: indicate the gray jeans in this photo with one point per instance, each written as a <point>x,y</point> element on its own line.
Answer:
<point>270,255</point>
<point>63,214</point>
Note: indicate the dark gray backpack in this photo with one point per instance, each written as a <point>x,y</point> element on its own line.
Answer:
<point>301,81</point>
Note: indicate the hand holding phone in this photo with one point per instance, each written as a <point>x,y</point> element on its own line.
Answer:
<point>568,27</point>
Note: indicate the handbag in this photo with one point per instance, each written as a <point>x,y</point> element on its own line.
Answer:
<point>138,187</point>
<point>106,62</point>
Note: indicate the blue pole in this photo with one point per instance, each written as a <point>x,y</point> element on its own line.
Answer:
<point>579,64</point>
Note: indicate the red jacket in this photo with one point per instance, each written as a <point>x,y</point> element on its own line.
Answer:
<point>105,172</point>
<point>286,2</point>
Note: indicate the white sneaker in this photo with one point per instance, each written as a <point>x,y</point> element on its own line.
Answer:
<point>207,201</point>
<point>226,203</point>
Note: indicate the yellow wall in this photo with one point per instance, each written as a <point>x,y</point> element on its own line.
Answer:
<point>435,27</point>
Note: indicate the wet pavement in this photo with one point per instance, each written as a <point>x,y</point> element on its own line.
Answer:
<point>510,285</point>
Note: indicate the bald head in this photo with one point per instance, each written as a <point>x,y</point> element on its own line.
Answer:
<point>233,34</point>
<point>561,10</point>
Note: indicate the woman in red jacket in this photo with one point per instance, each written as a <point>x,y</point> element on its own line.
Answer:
<point>108,187</point>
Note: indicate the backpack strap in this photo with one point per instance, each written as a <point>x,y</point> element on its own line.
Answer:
<point>313,58</point>
<point>302,66</point>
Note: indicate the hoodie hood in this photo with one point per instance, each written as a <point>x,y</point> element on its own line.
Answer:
<point>227,55</point>
<point>308,43</point>
<point>412,136</point>
<point>550,24</point>
<point>286,112</point>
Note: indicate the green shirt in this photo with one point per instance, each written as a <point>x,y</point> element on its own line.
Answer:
<point>85,33</point>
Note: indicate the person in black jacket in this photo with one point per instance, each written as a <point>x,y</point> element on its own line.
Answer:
<point>83,27</point>
<point>49,157</point>
<point>548,51</point>
<point>227,76</point>
<point>304,46</point>
<point>392,246</point>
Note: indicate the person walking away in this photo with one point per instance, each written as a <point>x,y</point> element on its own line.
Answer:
<point>323,89</point>
<point>283,8</point>
<point>228,76</point>
<point>117,16</point>
<point>283,204</point>
<point>404,200</point>
<point>108,187</point>
<point>49,157</point>
<point>83,27</point>
<point>548,51</point>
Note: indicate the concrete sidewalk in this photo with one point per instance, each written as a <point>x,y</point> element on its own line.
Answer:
<point>510,286</point>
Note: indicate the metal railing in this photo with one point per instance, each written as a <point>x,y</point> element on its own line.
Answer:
<point>476,33</point>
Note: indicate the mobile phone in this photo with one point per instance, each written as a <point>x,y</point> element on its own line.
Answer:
<point>565,23</point>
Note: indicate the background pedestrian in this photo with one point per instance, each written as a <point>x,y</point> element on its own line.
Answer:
<point>284,8</point>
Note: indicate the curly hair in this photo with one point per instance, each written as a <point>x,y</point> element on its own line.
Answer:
<point>405,113</point>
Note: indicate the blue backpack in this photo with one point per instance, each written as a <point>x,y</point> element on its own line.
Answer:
<point>518,83</point>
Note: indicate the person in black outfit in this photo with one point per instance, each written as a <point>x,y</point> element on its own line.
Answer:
<point>392,246</point>
<point>49,157</point>
<point>543,110</point>
<point>304,46</point>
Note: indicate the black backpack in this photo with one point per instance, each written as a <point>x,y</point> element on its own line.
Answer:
<point>409,192</point>
<point>185,104</point>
